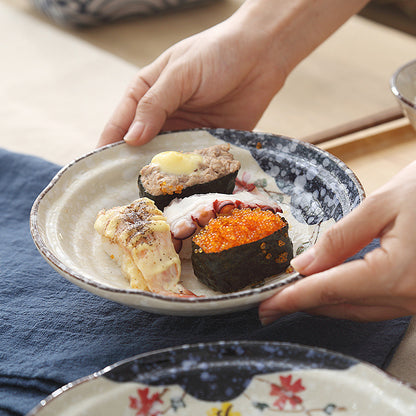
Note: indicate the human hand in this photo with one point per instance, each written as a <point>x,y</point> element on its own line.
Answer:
<point>380,286</point>
<point>227,75</point>
<point>222,77</point>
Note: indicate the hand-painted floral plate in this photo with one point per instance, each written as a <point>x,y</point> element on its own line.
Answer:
<point>314,189</point>
<point>234,379</point>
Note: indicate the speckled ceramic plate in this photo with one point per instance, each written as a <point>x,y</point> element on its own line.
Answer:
<point>313,188</point>
<point>234,379</point>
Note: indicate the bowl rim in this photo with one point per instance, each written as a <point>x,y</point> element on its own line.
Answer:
<point>85,282</point>
<point>196,347</point>
<point>394,89</point>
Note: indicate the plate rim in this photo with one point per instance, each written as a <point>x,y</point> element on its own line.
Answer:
<point>195,347</point>
<point>81,280</point>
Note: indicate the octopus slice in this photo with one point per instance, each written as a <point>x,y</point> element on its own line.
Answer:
<point>188,215</point>
<point>138,237</point>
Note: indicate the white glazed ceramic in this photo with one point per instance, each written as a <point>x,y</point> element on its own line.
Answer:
<point>314,189</point>
<point>403,86</point>
<point>234,379</point>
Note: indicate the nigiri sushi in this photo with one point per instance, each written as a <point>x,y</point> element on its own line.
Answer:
<point>188,215</point>
<point>241,249</point>
<point>138,237</point>
<point>173,174</point>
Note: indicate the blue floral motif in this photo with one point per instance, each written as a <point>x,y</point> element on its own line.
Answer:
<point>94,12</point>
<point>230,371</point>
<point>320,185</point>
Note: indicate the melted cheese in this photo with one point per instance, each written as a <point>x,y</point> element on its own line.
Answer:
<point>177,163</point>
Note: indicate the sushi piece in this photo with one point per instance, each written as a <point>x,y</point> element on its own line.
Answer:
<point>173,175</point>
<point>241,249</point>
<point>138,237</point>
<point>188,215</point>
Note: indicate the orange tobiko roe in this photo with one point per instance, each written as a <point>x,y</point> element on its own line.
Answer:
<point>241,227</point>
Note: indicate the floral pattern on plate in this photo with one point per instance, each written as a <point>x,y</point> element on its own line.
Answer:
<point>312,177</point>
<point>313,188</point>
<point>235,379</point>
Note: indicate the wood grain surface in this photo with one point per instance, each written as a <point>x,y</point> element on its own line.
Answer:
<point>376,154</point>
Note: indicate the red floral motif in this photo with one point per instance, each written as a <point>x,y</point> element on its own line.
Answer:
<point>144,403</point>
<point>243,184</point>
<point>286,392</point>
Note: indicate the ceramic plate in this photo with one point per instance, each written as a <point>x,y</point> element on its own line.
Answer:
<point>234,379</point>
<point>314,189</point>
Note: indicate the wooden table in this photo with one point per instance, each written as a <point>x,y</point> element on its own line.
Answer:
<point>376,154</point>
<point>345,79</point>
<point>59,87</point>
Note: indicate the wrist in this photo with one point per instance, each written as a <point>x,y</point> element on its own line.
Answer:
<point>289,30</point>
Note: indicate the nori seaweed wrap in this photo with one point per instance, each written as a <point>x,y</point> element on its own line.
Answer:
<point>173,174</point>
<point>243,249</point>
<point>222,185</point>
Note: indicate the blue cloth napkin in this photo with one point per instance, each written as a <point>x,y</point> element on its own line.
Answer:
<point>52,332</point>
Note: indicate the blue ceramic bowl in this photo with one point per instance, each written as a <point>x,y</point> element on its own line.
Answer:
<point>403,86</point>
<point>90,13</point>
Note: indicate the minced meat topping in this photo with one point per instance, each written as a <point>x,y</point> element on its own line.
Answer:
<point>217,161</point>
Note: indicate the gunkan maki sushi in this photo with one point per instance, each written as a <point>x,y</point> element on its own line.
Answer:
<point>173,174</point>
<point>241,249</point>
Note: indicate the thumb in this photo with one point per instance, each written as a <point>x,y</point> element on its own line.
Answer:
<point>345,238</point>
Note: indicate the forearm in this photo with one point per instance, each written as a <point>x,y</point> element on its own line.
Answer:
<point>290,30</point>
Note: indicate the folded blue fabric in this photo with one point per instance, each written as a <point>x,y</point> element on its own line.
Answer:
<point>52,332</point>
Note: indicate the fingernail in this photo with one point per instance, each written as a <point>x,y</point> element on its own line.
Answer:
<point>301,262</point>
<point>135,131</point>
<point>266,319</point>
